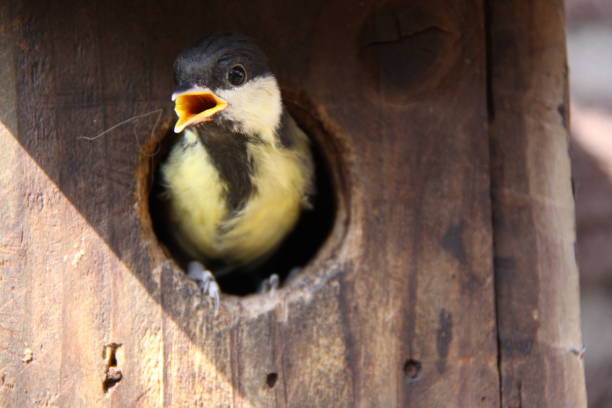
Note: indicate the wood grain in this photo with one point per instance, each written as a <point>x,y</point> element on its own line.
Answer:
<point>536,275</point>
<point>398,308</point>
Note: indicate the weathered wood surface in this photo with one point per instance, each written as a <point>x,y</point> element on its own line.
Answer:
<point>538,315</point>
<point>399,309</point>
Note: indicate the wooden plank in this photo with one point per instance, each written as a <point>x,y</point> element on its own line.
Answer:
<point>397,310</point>
<point>536,275</point>
<point>414,142</point>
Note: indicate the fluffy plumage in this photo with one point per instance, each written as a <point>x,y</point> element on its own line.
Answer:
<point>235,182</point>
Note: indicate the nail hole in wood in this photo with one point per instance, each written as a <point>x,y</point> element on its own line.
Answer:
<point>412,370</point>
<point>271,380</point>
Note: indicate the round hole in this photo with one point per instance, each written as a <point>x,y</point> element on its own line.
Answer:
<point>412,370</point>
<point>271,380</point>
<point>313,230</point>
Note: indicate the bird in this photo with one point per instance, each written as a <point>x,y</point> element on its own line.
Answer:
<point>240,170</point>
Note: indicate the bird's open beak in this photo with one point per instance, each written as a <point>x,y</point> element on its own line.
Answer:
<point>195,105</point>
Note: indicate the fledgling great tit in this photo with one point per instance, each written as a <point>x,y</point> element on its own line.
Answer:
<point>241,170</point>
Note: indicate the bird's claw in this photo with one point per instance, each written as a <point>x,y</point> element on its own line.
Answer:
<point>269,285</point>
<point>206,281</point>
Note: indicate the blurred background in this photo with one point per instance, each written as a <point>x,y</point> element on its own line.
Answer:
<point>589,36</point>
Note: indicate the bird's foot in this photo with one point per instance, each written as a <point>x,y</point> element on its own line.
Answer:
<point>269,285</point>
<point>206,281</point>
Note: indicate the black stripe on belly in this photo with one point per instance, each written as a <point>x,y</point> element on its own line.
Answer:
<point>228,152</point>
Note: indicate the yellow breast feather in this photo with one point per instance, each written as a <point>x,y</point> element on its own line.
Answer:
<point>206,229</point>
<point>196,197</point>
<point>281,179</point>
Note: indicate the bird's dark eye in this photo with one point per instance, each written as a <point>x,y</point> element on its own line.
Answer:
<point>236,75</point>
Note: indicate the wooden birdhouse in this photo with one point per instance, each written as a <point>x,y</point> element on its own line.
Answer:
<point>438,266</point>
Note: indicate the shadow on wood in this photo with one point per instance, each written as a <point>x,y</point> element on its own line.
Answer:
<point>399,308</point>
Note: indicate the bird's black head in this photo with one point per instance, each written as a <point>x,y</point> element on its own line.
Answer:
<point>225,78</point>
<point>221,61</point>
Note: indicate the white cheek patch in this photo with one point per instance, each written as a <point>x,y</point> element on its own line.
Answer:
<point>255,107</point>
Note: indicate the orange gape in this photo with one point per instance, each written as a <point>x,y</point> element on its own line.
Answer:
<point>194,106</point>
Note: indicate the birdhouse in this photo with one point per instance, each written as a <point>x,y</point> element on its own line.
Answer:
<point>435,269</point>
